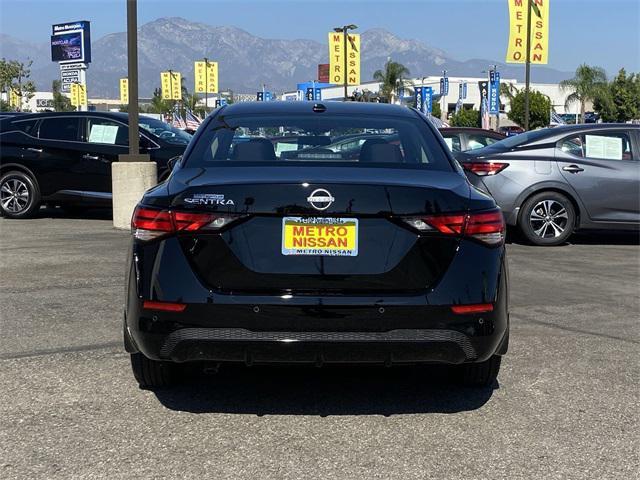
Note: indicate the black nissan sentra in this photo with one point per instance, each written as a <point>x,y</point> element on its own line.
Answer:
<point>268,243</point>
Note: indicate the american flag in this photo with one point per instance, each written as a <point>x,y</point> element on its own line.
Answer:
<point>459,105</point>
<point>176,120</point>
<point>193,122</point>
<point>556,119</point>
<point>484,114</point>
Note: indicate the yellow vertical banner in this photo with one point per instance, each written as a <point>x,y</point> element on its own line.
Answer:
<point>518,15</point>
<point>82,94</point>
<point>212,77</point>
<point>199,77</point>
<point>74,95</point>
<point>336,58</point>
<point>78,94</point>
<point>206,77</point>
<point>124,91</point>
<point>14,98</point>
<point>176,86</point>
<point>165,85</point>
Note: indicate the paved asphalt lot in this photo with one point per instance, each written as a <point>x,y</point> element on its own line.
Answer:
<point>566,405</point>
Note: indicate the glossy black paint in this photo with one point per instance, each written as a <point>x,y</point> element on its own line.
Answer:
<point>73,171</point>
<point>237,280</point>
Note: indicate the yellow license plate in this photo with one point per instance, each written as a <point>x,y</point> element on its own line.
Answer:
<point>337,237</point>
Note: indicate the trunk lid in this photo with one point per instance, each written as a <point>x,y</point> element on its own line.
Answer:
<point>248,257</point>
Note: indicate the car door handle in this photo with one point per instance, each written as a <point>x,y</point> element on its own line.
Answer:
<point>32,149</point>
<point>573,169</point>
<point>86,156</point>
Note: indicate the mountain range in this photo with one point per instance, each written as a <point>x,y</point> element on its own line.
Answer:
<point>245,60</point>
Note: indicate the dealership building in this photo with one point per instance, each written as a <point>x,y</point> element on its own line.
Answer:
<point>553,90</point>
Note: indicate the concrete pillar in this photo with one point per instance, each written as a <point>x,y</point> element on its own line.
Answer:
<point>130,180</point>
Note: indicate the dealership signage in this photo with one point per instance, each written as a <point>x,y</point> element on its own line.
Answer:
<point>494,92</point>
<point>424,99</point>
<point>71,42</point>
<point>518,18</point>
<point>337,58</point>
<point>71,48</point>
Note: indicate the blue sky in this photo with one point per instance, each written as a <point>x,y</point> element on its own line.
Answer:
<point>598,32</point>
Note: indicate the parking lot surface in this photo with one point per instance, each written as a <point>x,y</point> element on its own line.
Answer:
<point>567,403</point>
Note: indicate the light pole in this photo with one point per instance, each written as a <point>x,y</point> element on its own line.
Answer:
<point>527,80</point>
<point>345,33</point>
<point>132,174</point>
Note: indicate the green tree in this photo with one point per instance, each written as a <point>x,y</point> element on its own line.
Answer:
<point>465,118</point>
<point>585,86</point>
<point>158,105</point>
<point>619,100</point>
<point>539,109</point>
<point>391,77</point>
<point>14,76</point>
<point>61,103</point>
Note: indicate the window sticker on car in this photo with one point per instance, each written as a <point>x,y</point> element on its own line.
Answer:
<point>599,146</point>
<point>103,134</point>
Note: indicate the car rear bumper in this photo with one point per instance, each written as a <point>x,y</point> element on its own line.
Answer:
<point>315,331</point>
<point>391,347</point>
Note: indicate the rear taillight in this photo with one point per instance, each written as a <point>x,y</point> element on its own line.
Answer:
<point>472,308</point>
<point>150,223</point>
<point>487,227</point>
<point>484,169</point>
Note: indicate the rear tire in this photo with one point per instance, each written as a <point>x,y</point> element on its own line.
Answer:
<point>19,195</point>
<point>482,374</point>
<point>547,219</point>
<point>152,374</point>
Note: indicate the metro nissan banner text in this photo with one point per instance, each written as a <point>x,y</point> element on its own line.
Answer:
<point>336,58</point>
<point>517,49</point>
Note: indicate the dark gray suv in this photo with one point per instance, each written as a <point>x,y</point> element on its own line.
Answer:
<point>553,181</point>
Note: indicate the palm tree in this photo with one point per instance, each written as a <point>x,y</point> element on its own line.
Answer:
<point>585,85</point>
<point>390,78</point>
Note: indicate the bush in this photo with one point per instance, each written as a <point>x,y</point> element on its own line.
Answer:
<point>465,118</point>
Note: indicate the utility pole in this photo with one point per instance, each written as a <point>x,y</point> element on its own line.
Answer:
<point>527,80</point>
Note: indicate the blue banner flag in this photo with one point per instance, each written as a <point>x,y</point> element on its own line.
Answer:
<point>494,92</point>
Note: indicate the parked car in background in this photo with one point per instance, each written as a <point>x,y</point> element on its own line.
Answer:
<point>310,256</point>
<point>65,158</point>
<point>460,139</point>
<point>553,181</point>
<point>511,130</point>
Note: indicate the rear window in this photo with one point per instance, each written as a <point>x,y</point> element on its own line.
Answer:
<point>363,140</point>
<point>60,128</point>
<point>26,126</point>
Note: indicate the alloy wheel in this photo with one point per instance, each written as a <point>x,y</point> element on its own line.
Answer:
<point>14,195</point>
<point>548,219</point>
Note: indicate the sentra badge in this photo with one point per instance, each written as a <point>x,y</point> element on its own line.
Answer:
<point>208,199</point>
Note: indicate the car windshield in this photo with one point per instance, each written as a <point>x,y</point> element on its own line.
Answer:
<point>303,139</point>
<point>165,131</point>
